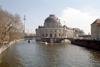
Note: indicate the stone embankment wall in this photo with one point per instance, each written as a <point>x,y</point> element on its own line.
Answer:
<point>93,44</point>
<point>5,46</point>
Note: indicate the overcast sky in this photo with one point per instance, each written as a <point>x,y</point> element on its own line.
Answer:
<point>75,13</point>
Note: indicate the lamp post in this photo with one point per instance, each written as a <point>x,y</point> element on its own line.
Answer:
<point>73,33</point>
<point>97,32</point>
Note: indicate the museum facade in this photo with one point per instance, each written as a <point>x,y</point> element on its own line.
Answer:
<point>52,28</point>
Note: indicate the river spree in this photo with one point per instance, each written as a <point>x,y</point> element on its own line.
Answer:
<point>23,54</point>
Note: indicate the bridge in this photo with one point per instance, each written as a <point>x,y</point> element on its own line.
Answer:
<point>29,37</point>
<point>55,40</point>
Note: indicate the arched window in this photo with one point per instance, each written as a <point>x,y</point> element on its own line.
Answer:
<point>55,35</point>
<point>59,34</point>
<point>46,35</point>
<point>50,35</point>
<point>43,35</point>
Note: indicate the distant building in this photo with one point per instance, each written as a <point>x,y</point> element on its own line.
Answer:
<point>78,32</point>
<point>95,29</point>
<point>53,29</point>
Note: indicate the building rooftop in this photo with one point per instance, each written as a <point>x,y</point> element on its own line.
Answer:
<point>96,21</point>
<point>52,18</point>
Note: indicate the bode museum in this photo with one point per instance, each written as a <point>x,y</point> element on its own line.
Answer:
<point>53,31</point>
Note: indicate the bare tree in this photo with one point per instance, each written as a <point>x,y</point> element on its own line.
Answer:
<point>17,30</point>
<point>10,26</point>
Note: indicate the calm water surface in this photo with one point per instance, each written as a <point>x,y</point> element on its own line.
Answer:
<point>23,54</point>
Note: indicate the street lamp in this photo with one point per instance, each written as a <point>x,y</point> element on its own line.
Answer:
<point>73,33</point>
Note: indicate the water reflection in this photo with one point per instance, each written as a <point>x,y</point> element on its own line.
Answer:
<point>24,54</point>
<point>10,58</point>
<point>94,57</point>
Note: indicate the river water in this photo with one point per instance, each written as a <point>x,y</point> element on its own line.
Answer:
<point>23,54</point>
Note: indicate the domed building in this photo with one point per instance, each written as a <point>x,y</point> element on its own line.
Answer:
<point>53,29</point>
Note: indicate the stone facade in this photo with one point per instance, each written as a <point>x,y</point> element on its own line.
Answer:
<point>53,29</point>
<point>78,32</point>
<point>95,29</point>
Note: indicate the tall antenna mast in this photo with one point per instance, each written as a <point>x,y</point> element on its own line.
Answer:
<point>24,19</point>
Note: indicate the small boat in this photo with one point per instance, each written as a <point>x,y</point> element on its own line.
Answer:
<point>28,41</point>
<point>42,43</point>
<point>46,43</point>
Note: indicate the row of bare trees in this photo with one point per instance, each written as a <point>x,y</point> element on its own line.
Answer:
<point>11,27</point>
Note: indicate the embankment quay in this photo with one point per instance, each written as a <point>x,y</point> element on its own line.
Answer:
<point>24,54</point>
<point>5,46</point>
<point>93,44</point>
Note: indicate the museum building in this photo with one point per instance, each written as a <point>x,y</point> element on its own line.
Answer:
<point>52,28</point>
